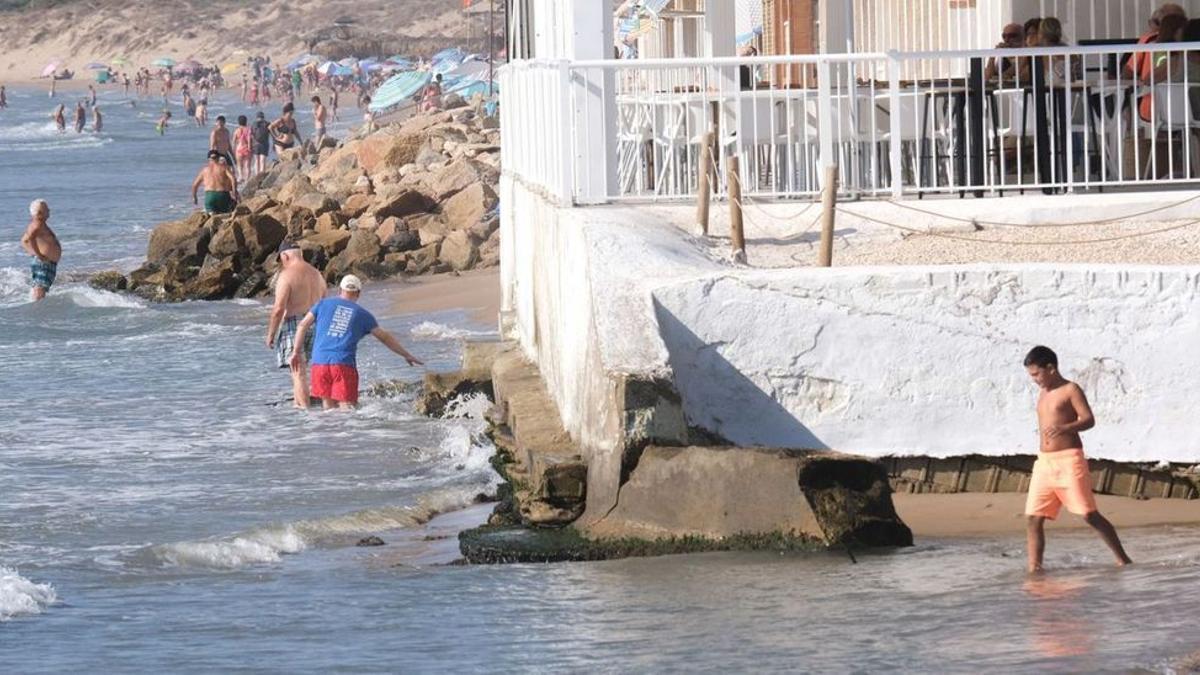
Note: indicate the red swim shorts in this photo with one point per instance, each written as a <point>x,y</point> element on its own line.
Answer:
<point>335,382</point>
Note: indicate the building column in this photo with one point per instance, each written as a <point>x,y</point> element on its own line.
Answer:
<point>591,38</point>
<point>720,28</point>
<point>837,26</point>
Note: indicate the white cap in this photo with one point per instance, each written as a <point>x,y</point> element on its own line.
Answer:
<point>351,283</point>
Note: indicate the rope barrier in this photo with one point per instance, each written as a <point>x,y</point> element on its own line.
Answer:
<point>1004,242</point>
<point>1083,223</point>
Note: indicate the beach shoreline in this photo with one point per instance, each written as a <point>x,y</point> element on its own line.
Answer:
<point>984,515</point>
<point>476,292</point>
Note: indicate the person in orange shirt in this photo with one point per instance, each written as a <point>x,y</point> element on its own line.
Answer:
<point>1141,64</point>
<point>1170,29</point>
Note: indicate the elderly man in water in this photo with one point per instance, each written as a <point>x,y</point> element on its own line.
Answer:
<point>220,186</point>
<point>298,288</point>
<point>42,245</point>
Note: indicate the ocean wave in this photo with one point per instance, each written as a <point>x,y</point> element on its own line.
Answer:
<point>270,544</point>
<point>438,331</point>
<point>15,290</point>
<point>34,136</point>
<point>20,596</point>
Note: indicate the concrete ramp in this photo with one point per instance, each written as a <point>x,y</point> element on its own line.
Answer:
<point>725,492</point>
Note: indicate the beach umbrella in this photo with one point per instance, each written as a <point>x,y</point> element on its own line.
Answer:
<point>50,68</point>
<point>399,89</point>
<point>349,62</point>
<point>189,66</point>
<point>230,68</point>
<point>120,61</point>
<point>95,65</point>
<point>163,62</point>
<point>471,70</point>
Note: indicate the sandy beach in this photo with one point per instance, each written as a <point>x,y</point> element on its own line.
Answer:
<point>477,291</point>
<point>986,515</point>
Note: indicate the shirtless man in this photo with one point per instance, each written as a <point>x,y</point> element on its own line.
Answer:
<point>202,113</point>
<point>80,117</point>
<point>220,141</point>
<point>41,243</point>
<point>1060,474</point>
<point>60,118</point>
<point>220,187</point>
<point>320,117</point>
<point>298,288</point>
<point>97,119</point>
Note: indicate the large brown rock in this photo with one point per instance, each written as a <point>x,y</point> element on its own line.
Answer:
<point>260,203</point>
<point>357,204</point>
<point>401,204</point>
<point>459,251</point>
<point>388,150</point>
<point>457,176</point>
<point>215,281</point>
<point>332,242</point>
<point>389,227</point>
<point>189,233</point>
<point>469,206</point>
<point>489,251</point>
<point>316,203</point>
<point>338,166</point>
<point>422,260</point>
<point>294,189</point>
<point>261,235</point>
<point>331,220</point>
<point>361,253</point>
<point>296,220</point>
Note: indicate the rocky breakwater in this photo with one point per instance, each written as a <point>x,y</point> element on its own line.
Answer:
<point>413,198</point>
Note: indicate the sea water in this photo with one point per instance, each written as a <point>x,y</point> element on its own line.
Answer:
<point>163,509</point>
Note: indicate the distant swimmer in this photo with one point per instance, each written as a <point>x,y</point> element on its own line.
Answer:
<point>53,85</point>
<point>163,122</point>
<point>320,117</point>
<point>125,82</point>
<point>219,140</point>
<point>202,113</point>
<point>333,102</point>
<point>284,130</point>
<point>42,245</point>
<point>3,98</point>
<point>91,96</point>
<point>97,119</point>
<point>243,142</point>
<point>339,324</point>
<point>220,186</point>
<point>1060,474</point>
<point>60,118</point>
<point>298,288</point>
<point>80,117</point>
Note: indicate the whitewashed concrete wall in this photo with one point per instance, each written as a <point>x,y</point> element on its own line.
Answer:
<point>875,361</point>
<point>929,360</point>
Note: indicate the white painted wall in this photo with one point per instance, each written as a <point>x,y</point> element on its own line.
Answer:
<point>928,360</point>
<point>874,361</point>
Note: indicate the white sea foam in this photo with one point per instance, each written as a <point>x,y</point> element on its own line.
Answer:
<point>35,136</point>
<point>270,544</point>
<point>438,331</point>
<point>15,287</point>
<point>85,296</point>
<point>20,596</point>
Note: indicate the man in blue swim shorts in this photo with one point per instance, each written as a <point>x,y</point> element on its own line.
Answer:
<point>41,243</point>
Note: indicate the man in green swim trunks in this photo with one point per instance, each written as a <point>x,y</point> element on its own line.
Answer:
<point>220,187</point>
<point>42,245</point>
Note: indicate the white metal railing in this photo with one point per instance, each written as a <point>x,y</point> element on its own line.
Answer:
<point>1054,119</point>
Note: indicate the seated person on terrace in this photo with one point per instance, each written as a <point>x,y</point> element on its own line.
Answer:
<point>1003,68</point>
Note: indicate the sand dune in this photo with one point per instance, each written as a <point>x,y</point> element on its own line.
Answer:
<point>82,31</point>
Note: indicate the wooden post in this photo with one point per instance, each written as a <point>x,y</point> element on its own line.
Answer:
<point>828,207</point>
<point>705,191</point>
<point>737,235</point>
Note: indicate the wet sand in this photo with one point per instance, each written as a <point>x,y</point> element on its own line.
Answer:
<point>983,515</point>
<point>477,292</point>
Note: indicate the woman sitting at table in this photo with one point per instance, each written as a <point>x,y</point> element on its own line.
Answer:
<point>1051,35</point>
<point>1170,67</point>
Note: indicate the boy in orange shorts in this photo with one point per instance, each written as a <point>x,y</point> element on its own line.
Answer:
<point>1060,474</point>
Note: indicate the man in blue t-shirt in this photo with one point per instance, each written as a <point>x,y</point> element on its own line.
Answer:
<point>340,323</point>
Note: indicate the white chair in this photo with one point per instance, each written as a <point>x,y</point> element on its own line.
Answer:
<point>634,133</point>
<point>1173,113</point>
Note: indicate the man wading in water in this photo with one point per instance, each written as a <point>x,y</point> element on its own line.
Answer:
<point>1060,474</point>
<point>41,243</point>
<point>299,287</point>
<point>220,187</point>
<point>337,325</point>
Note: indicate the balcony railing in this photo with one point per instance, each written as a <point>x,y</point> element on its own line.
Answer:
<point>1065,119</point>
